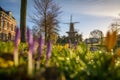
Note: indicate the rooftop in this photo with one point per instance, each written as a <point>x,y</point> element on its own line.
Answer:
<point>7,12</point>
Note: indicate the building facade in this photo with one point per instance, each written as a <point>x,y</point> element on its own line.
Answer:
<point>7,25</point>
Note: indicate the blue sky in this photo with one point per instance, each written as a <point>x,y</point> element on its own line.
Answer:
<point>92,14</point>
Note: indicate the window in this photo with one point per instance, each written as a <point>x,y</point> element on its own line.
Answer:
<point>0,36</point>
<point>5,36</point>
<point>2,23</point>
<point>11,27</point>
<point>15,28</point>
<point>8,25</point>
<point>9,36</point>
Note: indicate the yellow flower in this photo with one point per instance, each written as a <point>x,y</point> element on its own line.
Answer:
<point>66,46</point>
<point>4,65</point>
<point>1,60</point>
<point>60,47</point>
<point>10,63</point>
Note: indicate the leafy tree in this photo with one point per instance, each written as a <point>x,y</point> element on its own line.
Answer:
<point>46,18</point>
<point>23,20</point>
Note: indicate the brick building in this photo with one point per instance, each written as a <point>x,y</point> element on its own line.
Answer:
<point>7,25</point>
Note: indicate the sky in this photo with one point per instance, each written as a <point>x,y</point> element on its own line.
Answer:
<point>92,14</point>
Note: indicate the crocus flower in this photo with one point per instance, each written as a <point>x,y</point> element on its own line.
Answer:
<point>75,44</point>
<point>30,40</point>
<point>16,43</point>
<point>17,37</point>
<point>41,42</point>
<point>69,43</point>
<point>48,53</point>
<point>49,48</point>
<point>31,45</point>
<point>35,46</point>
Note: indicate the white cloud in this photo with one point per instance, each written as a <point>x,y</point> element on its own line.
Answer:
<point>110,9</point>
<point>101,8</point>
<point>103,12</point>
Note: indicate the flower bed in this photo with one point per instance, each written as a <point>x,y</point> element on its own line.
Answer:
<point>35,61</point>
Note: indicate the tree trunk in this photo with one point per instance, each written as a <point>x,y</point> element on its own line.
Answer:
<point>23,20</point>
<point>45,30</point>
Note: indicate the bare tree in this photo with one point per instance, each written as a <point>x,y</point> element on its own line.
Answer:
<point>46,17</point>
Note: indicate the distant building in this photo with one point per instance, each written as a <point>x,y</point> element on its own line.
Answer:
<point>7,25</point>
<point>94,41</point>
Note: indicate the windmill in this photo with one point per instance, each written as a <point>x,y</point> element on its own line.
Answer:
<point>71,33</point>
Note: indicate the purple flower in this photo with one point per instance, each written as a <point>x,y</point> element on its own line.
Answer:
<point>30,39</point>
<point>41,42</point>
<point>17,37</point>
<point>34,45</point>
<point>16,43</point>
<point>49,49</point>
<point>69,43</point>
<point>75,44</point>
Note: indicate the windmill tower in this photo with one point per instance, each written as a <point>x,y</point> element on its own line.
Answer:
<point>71,33</point>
